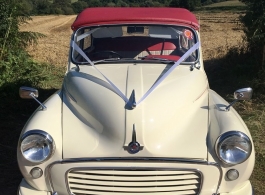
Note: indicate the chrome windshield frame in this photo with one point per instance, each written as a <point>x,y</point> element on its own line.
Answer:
<point>75,37</point>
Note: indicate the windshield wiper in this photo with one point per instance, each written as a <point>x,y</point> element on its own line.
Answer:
<point>163,60</point>
<point>114,59</point>
<point>158,59</point>
<point>107,60</point>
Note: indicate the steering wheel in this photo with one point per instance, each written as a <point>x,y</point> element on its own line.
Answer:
<point>106,54</point>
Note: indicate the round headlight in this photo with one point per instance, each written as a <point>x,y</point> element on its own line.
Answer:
<point>233,147</point>
<point>37,146</point>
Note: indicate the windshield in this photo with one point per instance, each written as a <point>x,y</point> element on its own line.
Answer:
<point>134,42</point>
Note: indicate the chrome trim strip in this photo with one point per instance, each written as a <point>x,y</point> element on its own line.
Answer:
<point>174,160</point>
<point>183,160</point>
<point>121,168</point>
<point>195,32</point>
<point>220,177</point>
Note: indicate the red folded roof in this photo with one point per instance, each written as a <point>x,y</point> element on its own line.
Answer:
<point>129,15</point>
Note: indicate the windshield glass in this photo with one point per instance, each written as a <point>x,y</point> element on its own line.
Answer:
<point>137,42</point>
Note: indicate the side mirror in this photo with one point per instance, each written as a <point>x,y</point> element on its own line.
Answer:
<point>241,94</point>
<point>30,93</point>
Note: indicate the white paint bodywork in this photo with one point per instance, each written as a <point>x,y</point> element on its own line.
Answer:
<point>105,126</point>
<point>177,125</point>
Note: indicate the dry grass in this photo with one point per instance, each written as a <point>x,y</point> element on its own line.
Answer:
<point>54,47</point>
<point>219,32</point>
<point>227,4</point>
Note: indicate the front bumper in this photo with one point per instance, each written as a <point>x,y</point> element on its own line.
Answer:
<point>137,177</point>
<point>26,189</point>
<point>246,190</point>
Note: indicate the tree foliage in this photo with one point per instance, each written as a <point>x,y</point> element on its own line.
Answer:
<point>254,22</point>
<point>41,7</point>
<point>12,15</point>
<point>15,64</point>
<point>188,4</point>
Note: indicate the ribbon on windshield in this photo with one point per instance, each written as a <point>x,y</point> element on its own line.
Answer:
<point>187,54</point>
<point>118,91</point>
<point>80,51</point>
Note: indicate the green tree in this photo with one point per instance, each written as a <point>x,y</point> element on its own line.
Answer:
<point>15,64</point>
<point>12,15</point>
<point>78,6</point>
<point>42,7</point>
<point>254,22</point>
<point>188,4</point>
<point>62,3</point>
<point>120,3</point>
<point>27,6</point>
<point>94,3</point>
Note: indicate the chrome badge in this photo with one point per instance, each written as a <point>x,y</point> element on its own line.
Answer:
<point>134,146</point>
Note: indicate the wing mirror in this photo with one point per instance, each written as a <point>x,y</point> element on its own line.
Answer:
<point>241,94</point>
<point>30,93</point>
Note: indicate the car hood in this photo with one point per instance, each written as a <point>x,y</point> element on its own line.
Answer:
<point>171,122</point>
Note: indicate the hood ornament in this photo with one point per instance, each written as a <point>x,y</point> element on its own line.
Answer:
<point>131,104</point>
<point>133,146</point>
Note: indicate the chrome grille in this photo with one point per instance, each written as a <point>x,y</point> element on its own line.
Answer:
<point>135,181</point>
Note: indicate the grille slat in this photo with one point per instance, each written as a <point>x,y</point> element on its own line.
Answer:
<point>83,192</point>
<point>133,182</point>
<point>134,189</point>
<point>136,177</point>
<point>134,172</point>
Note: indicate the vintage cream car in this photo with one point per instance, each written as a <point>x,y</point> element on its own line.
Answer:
<point>135,115</point>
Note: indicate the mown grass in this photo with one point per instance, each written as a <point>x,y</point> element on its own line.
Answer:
<point>233,3</point>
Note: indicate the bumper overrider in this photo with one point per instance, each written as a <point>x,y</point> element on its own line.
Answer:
<point>138,177</point>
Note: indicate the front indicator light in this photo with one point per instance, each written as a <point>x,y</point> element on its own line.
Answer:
<point>36,172</point>
<point>37,146</point>
<point>232,174</point>
<point>233,147</point>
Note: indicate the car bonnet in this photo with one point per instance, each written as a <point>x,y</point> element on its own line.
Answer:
<point>170,122</point>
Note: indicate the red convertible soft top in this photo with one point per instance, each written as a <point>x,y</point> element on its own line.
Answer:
<point>128,15</point>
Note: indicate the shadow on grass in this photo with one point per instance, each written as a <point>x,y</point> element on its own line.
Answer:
<point>235,70</point>
<point>14,112</point>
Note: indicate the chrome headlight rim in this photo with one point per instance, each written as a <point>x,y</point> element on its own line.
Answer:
<point>43,134</point>
<point>226,135</point>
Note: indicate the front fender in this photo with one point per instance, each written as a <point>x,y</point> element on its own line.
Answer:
<point>221,121</point>
<point>50,122</point>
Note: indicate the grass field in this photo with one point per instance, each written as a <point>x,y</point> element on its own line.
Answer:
<point>221,35</point>
<point>231,3</point>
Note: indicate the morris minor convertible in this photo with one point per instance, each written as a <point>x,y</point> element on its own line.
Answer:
<point>135,114</point>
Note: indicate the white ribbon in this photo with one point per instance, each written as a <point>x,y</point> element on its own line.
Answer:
<point>77,48</point>
<point>187,54</point>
